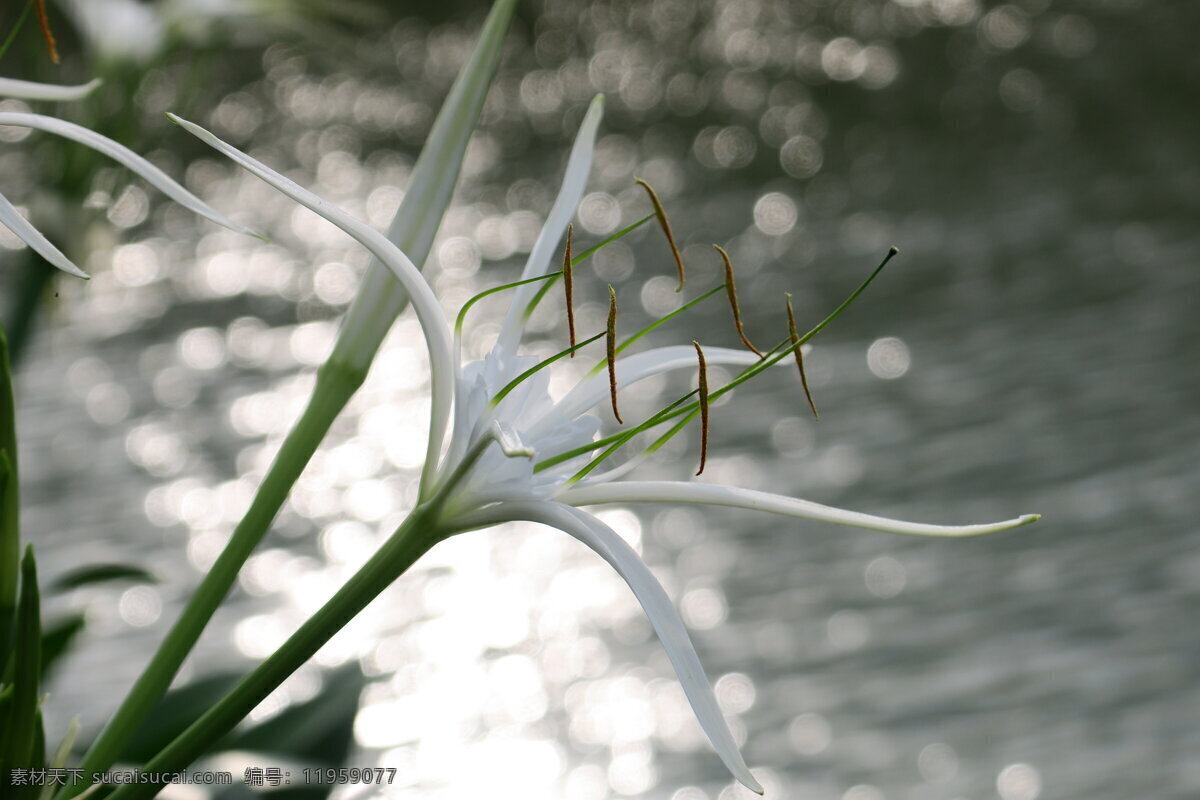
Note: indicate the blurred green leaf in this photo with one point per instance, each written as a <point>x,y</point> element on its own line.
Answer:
<point>318,731</point>
<point>101,573</point>
<point>178,709</point>
<point>10,500</point>
<point>21,741</point>
<point>57,638</point>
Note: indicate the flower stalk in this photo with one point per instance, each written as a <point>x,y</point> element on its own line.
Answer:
<point>421,530</point>
<point>411,540</point>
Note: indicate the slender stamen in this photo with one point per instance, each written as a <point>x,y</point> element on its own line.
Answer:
<point>666,229</point>
<point>611,342</point>
<point>798,351</point>
<point>703,406</point>
<point>660,321</point>
<point>569,288</point>
<point>680,407</point>
<point>731,292</point>
<point>47,34</point>
<point>577,260</point>
<point>462,314</point>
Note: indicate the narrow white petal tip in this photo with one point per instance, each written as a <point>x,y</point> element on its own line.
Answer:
<point>208,138</point>
<point>192,128</point>
<point>1025,519</point>
<point>68,267</point>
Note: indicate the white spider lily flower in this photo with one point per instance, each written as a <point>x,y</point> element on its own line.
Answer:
<point>505,420</point>
<point>11,218</point>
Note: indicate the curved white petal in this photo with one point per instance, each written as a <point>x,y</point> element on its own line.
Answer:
<point>425,303</point>
<point>28,90</point>
<point>639,366</point>
<point>661,612</point>
<point>569,195</point>
<point>708,494</point>
<point>12,219</point>
<point>118,152</point>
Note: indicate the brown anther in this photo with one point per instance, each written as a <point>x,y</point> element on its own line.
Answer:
<point>703,406</point>
<point>666,229</point>
<point>47,34</point>
<point>731,293</point>
<point>796,350</point>
<point>569,289</point>
<point>611,346</point>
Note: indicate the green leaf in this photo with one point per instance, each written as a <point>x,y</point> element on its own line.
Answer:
<point>21,742</point>
<point>56,640</point>
<point>101,573</point>
<point>318,731</point>
<point>10,504</point>
<point>174,713</point>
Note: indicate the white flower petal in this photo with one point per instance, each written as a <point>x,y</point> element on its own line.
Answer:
<point>661,612</point>
<point>569,195</point>
<point>708,494</point>
<point>425,303</point>
<point>28,90</point>
<point>12,219</point>
<point>631,369</point>
<point>118,152</point>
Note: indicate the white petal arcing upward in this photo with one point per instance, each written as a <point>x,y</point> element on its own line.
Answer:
<point>657,605</point>
<point>569,194</point>
<point>425,303</point>
<point>709,494</point>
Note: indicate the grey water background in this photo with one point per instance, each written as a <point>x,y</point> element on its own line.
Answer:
<point>1032,349</point>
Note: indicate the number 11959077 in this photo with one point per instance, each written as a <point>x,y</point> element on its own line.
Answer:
<point>346,775</point>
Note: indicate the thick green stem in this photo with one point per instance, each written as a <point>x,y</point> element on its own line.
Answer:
<point>412,540</point>
<point>334,387</point>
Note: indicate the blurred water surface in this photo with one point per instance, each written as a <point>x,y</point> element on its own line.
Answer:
<point>1033,349</point>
